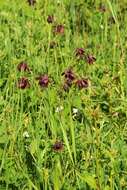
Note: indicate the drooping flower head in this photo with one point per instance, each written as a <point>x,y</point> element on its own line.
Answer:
<point>59,29</point>
<point>79,53</point>
<point>23,66</point>
<point>69,74</point>
<point>23,83</point>
<point>67,84</point>
<point>43,80</point>
<point>90,59</point>
<point>82,83</point>
<point>69,78</point>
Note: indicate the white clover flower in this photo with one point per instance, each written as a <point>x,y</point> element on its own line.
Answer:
<point>59,109</point>
<point>75,110</point>
<point>26,134</point>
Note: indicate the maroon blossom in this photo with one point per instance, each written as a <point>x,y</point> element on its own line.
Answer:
<point>59,29</point>
<point>23,83</point>
<point>82,83</point>
<point>23,66</point>
<point>69,75</point>
<point>67,85</point>
<point>31,2</point>
<point>90,59</point>
<point>79,52</point>
<point>50,19</point>
<point>69,78</point>
<point>43,80</point>
<point>58,146</point>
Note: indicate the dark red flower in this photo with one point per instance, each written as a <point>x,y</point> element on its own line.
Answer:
<point>59,29</point>
<point>79,52</point>
<point>90,59</point>
<point>69,75</point>
<point>23,83</point>
<point>82,83</point>
<point>58,146</point>
<point>50,19</point>
<point>69,78</point>
<point>31,2</point>
<point>43,80</point>
<point>67,84</point>
<point>23,66</point>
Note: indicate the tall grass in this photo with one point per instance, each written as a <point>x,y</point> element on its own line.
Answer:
<point>56,139</point>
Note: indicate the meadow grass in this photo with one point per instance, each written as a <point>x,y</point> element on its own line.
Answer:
<point>67,130</point>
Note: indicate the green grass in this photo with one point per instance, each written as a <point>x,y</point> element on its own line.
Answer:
<point>94,154</point>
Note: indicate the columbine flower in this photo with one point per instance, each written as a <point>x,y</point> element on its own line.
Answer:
<point>26,134</point>
<point>67,84</point>
<point>59,29</point>
<point>82,83</point>
<point>111,20</point>
<point>50,19</point>
<point>31,2</point>
<point>59,109</point>
<point>58,146</point>
<point>90,59</point>
<point>69,75</point>
<point>79,52</point>
<point>23,83</point>
<point>43,80</point>
<point>23,66</point>
<point>69,78</point>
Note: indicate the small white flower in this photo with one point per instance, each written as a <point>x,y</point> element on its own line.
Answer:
<point>26,134</point>
<point>59,109</point>
<point>101,26</point>
<point>75,110</point>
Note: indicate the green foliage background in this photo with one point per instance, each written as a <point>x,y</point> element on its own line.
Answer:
<point>95,142</point>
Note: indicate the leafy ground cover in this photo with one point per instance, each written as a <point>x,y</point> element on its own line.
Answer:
<point>63,99</point>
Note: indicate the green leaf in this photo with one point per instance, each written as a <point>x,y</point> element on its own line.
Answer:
<point>107,188</point>
<point>1,153</point>
<point>1,82</point>
<point>33,147</point>
<point>89,179</point>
